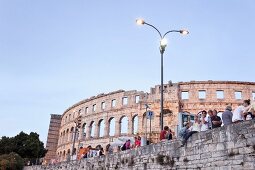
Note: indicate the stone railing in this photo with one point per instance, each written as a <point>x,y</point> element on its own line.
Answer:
<point>228,147</point>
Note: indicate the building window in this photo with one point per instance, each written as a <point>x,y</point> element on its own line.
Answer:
<point>253,95</point>
<point>124,101</point>
<point>185,95</point>
<point>113,102</point>
<point>135,125</point>
<point>92,129</point>
<point>86,110</point>
<point>94,107</point>
<point>84,131</point>
<point>69,117</point>
<point>137,99</point>
<point>238,95</point>
<point>101,128</point>
<point>220,94</point>
<point>201,94</point>
<point>112,126</point>
<point>66,119</point>
<point>124,125</point>
<point>103,105</point>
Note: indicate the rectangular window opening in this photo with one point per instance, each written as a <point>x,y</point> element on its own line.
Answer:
<point>113,102</point>
<point>185,95</point>
<point>201,94</point>
<point>253,95</point>
<point>220,94</point>
<point>94,107</point>
<point>103,105</point>
<point>137,99</point>
<point>238,95</point>
<point>124,100</point>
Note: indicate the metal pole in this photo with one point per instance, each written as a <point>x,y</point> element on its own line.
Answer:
<point>146,125</point>
<point>162,49</point>
<point>150,128</point>
<point>75,130</point>
<point>161,90</point>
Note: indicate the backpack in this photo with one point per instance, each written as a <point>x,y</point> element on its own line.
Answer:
<point>123,147</point>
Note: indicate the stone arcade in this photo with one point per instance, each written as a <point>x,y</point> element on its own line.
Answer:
<point>104,115</point>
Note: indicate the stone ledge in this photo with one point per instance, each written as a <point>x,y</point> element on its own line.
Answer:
<point>214,151</point>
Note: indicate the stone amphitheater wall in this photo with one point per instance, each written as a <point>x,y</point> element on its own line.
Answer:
<point>173,101</point>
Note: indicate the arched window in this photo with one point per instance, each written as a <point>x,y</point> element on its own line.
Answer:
<point>135,124</point>
<point>64,155</point>
<point>92,129</point>
<point>60,155</point>
<point>74,151</point>
<point>101,126</point>
<point>63,137</point>
<point>111,126</point>
<point>84,131</point>
<point>124,125</point>
<point>67,135</point>
<point>60,138</point>
<point>71,134</point>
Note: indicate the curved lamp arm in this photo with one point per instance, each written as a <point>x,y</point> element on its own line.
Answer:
<point>171,31</point>
<point>154,28</point>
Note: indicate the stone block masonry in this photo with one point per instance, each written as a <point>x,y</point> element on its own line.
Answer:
<point>225,148</point>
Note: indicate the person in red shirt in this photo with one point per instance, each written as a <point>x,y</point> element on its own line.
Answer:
<point>163,133</point>
<point>137,141</point>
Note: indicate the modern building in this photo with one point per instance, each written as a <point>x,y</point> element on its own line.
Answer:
<point>122,113</point>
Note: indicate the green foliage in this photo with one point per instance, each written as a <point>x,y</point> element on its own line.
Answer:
<point>11,161</point>
<point>27,146</point>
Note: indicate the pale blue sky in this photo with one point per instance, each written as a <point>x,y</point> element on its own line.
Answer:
<point>56,53</point>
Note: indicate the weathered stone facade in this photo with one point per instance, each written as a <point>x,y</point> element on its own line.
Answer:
<point>131,105</point>
<point>225,148</point>
<point>52,139</point>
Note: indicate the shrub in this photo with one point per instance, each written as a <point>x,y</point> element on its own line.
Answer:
<point>11,161</point>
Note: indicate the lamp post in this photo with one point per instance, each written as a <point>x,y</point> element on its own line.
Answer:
<point>77,122</point>
<point>163,44</point>
<point>146,110</point>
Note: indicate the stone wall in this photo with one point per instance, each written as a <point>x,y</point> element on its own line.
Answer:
<point>52,139</point>
<point>105,113</point>
<point>228,147</point>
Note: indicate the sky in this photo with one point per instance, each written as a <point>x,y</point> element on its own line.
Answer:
<point>55,53</point>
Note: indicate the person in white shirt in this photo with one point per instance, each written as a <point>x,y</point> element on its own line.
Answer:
<point>196,127</point>
<point>238,114</point>
<point>204,121</point>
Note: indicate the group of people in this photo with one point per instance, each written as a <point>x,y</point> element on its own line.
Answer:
<point>166,134</point>
<point>127,145</point>
<point>246,111</point>
<point>210,119</point>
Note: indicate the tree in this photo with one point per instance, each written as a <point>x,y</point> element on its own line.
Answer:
<point>27,146</point>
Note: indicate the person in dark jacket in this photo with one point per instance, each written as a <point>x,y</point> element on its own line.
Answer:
<point>227,116</point>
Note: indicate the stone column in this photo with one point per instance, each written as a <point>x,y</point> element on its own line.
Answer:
<point>81,133</point>
<point>130,125</point>
<point>140,124</point>
<point>117,127</point>
<point>106,128</point>
<point>96,129</point>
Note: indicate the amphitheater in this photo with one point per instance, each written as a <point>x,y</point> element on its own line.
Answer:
<point>106,117</point>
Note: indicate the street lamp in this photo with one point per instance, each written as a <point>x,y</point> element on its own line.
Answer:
<point>77,122</point>
<point>163,44</point>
